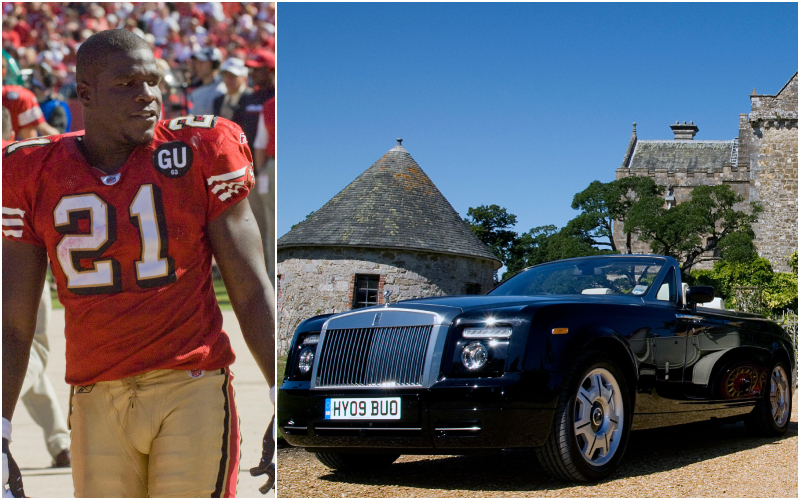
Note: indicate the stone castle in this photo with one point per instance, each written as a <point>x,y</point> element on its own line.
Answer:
<point>760,165</point>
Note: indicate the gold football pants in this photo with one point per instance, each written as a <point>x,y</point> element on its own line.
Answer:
<point>165,433</point>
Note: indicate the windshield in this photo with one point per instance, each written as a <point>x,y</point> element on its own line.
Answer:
<point>631,276</point>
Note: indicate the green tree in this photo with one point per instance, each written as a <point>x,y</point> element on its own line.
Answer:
<point>705,222</point>
<point>491,224</point>
<point>606,204</point>
<point>529,249</point>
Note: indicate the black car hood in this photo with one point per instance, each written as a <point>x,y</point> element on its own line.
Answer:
<point>476,302</point>
<point>450,307</point>
<point>466,302</point>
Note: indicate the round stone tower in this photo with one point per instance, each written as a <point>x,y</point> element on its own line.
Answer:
<point>390,230</point>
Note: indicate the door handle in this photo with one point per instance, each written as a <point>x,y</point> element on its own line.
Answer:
<point>689,317</point>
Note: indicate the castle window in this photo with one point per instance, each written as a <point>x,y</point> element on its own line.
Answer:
<point>713,241</point>
<point>670,198</point>
<point>473,289</point>
<point>365,291</point>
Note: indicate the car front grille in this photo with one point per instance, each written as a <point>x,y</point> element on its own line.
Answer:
<point>373,357</point>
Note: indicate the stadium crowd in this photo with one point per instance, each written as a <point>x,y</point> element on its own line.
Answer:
<point>40,40</point>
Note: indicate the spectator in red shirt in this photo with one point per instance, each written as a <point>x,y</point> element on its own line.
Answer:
<point>26,115</point>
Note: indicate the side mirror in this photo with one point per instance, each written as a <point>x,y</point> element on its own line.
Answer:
<point>699,295</point>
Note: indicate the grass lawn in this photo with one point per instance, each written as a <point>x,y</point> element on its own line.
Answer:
<point>279,380</point>
<point>222,295</point>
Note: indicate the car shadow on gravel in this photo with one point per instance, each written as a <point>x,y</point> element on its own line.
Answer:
<point>648,452</point>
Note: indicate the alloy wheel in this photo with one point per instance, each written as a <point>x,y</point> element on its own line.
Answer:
<point>778,395</point>
<point>599,417</point>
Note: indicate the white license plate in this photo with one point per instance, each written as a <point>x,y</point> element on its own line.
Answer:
<point>362,408</point>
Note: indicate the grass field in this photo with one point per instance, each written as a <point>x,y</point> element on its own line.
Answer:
<point>279,380</point>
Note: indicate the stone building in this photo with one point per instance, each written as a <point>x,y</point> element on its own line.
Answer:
<point>760,164</point>
<point>389,230</point>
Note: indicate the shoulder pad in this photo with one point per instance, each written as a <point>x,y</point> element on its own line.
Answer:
<point>210,127</point>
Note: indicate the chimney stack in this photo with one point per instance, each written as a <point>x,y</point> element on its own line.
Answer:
<point>684,132</point>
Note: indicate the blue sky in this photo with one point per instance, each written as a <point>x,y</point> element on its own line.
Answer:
<point>519,105</point>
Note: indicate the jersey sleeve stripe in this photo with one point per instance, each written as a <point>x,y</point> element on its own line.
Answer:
<point>226,177</point>
<point>12,218</point>
<point>232,187</point>
<point>13,211</point>
<point>29,116</point>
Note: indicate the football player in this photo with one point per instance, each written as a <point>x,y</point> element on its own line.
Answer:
<point>130,212</point>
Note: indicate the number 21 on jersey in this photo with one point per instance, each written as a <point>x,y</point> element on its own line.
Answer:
<point>154,268</point>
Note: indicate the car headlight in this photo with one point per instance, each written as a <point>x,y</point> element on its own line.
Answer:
<point>479,348</point>
<point>487,332</point>
<point>474,355</point>
<point>306,360</point>
<point>305,349</point>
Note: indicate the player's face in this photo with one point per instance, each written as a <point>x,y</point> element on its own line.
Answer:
<point>128,103</point>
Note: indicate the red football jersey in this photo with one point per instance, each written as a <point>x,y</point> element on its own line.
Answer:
<point>130,252</point>
<point>22,105</point>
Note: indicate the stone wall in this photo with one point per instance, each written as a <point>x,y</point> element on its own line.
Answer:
<point>769,136</point>
<point>320,280</point>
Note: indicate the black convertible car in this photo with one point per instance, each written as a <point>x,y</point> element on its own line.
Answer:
<point>566,357</point>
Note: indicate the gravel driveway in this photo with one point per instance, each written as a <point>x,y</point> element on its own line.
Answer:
<point>696,460</point>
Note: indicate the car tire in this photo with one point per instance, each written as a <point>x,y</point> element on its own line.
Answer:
<point>773,412</point>
<point>591,424</point>
<point>357,462</point>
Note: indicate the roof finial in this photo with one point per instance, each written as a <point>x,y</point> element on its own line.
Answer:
<point>634,127</point>
<point>399,142</point>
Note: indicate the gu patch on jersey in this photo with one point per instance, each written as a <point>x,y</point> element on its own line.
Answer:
<point>173,159</point>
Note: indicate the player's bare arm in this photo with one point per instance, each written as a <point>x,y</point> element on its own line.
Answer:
<point>236,244</point>
<point>24,269</point>
<point>237,249</point>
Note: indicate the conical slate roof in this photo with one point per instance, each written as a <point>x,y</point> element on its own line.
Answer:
<point>393,204</point>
